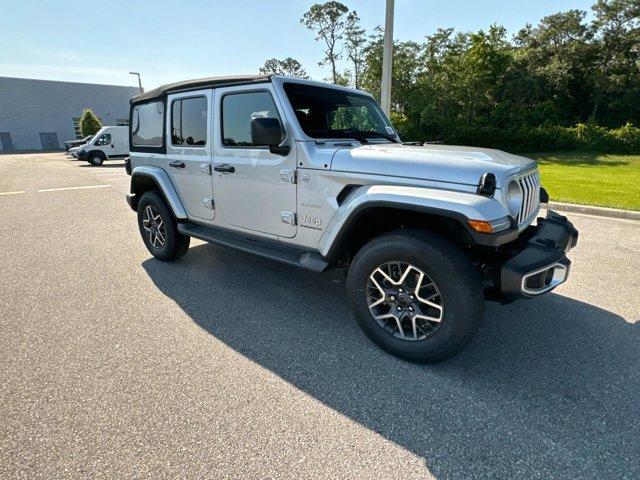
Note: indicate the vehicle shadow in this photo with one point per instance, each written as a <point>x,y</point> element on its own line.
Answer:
<point>550,388</point>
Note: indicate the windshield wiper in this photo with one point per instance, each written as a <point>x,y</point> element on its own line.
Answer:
<point>373,133</point>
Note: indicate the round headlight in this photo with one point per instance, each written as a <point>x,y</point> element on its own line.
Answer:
<point>514,198</point>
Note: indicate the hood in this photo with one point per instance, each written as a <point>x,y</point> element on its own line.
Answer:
<point>440,163</point>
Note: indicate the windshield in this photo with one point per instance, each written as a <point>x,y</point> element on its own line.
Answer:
<point>331,113</point>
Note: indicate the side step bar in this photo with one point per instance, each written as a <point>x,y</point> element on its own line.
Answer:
<point>264,247</point>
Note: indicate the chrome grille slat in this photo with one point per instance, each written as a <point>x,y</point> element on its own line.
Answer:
<point>530,185</point>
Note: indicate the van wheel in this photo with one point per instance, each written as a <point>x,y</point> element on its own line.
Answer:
<point>415,295</point>
<point>96,159</point>
<point>159,229</point>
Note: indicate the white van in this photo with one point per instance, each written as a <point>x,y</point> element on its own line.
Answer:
<point>109,143</point>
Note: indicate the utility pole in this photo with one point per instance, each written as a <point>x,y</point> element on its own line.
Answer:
<point>139,81</point>
<point>387,59</point>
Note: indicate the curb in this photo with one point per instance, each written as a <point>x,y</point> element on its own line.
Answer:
<point>591,210</point>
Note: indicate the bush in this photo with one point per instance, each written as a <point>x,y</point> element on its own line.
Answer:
<point>89,123</point>
<point>586,137</point>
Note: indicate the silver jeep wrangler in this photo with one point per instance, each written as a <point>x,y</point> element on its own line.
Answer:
<point>314,175</point>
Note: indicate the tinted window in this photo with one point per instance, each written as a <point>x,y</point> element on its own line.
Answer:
<point>189,122</point>
<point>147,121</point>
<point>237,111</point>
<point>328,112</point>
<point>104,139</point>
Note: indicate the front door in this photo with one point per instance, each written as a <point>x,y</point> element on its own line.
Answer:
<point>254,188</point>
<point>189,125</point>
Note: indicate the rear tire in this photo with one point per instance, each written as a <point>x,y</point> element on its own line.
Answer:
<point>96,159</point>
<point>159,229</point>
<point>433,310</point>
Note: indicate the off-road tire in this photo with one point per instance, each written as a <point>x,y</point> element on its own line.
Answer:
<point>175,244</point>
<point>96,159</point>
<point>452,273</point>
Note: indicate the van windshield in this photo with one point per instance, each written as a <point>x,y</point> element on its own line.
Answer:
<point>332,113</point>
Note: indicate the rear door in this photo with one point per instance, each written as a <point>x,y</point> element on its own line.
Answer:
<point>188,159</point>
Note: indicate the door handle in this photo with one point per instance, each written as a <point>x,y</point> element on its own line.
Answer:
<point>225,168</point>
<point>177,164</point>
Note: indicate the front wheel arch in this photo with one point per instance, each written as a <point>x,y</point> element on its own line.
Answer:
<point>372,221</point>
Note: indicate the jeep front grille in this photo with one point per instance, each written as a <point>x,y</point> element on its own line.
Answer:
<point>530,185</point>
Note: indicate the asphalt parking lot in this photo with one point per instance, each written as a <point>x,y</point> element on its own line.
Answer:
<point>225,365</point>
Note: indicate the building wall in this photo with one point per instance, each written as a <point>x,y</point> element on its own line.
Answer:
<point>28,107</point>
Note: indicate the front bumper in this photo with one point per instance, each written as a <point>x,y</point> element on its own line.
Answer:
<point>541,263</point>
<point>81,155</point>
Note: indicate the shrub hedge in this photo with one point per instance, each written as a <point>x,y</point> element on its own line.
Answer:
<point>586,137</point>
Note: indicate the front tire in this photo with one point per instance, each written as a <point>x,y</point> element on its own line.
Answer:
<point>415,295</point>
<point>159,229</point>
<point>96,159</point>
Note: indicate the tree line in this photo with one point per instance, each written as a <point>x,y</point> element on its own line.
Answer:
<point>563,83</point>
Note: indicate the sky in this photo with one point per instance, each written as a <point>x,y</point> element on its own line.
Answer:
<point>100,42</point>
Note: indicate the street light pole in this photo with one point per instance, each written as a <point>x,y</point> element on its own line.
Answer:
<point>139,81</point>
<point>387,59</point>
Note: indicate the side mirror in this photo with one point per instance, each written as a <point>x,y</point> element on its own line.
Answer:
<point>267,132</point>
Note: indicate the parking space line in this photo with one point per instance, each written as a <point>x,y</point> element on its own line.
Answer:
<point>71,188</point>
<point>17,192</point>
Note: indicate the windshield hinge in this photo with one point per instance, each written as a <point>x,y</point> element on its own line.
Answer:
<point>205,168</point>
<point>288,175</point>
<point>288,217</point>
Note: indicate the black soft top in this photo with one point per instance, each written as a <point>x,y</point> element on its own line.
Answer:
<point>199,83</point>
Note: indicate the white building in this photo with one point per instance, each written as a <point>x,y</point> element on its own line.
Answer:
<point>43,114</point>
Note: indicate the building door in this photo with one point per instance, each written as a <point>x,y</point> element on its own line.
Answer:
<point>49,140</point>
<point>5,139</point>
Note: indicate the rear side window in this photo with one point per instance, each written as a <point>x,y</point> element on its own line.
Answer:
<point>189,122</point>
<point>104,139</point>
<point>237,111</point>
<point>147,125</point>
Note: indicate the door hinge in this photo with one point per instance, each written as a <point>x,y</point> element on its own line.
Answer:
<point>288,217</point>
<point>205,168</point>
<point>288,175</point>
<point>209,203</point>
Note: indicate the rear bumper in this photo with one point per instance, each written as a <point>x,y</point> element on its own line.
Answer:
<point>541,265</point>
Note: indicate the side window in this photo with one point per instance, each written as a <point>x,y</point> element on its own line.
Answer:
<point>237,111</point>
<point>147,125</point>
<point>104,139</point>
<point>189,122</point>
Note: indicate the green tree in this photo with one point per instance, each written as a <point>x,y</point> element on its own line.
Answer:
<point>89,123</point>
<point>557,53</point>
<point>616,70</point>
<point>328,20</point>
<point>355,41</point>
<point>289,67</point>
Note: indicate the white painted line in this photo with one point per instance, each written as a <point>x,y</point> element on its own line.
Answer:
<point>72,188</point>
<point>110,174</point>
<point>13,193</point>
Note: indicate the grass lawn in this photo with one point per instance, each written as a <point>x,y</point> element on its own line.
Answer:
<point>591,178</point>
